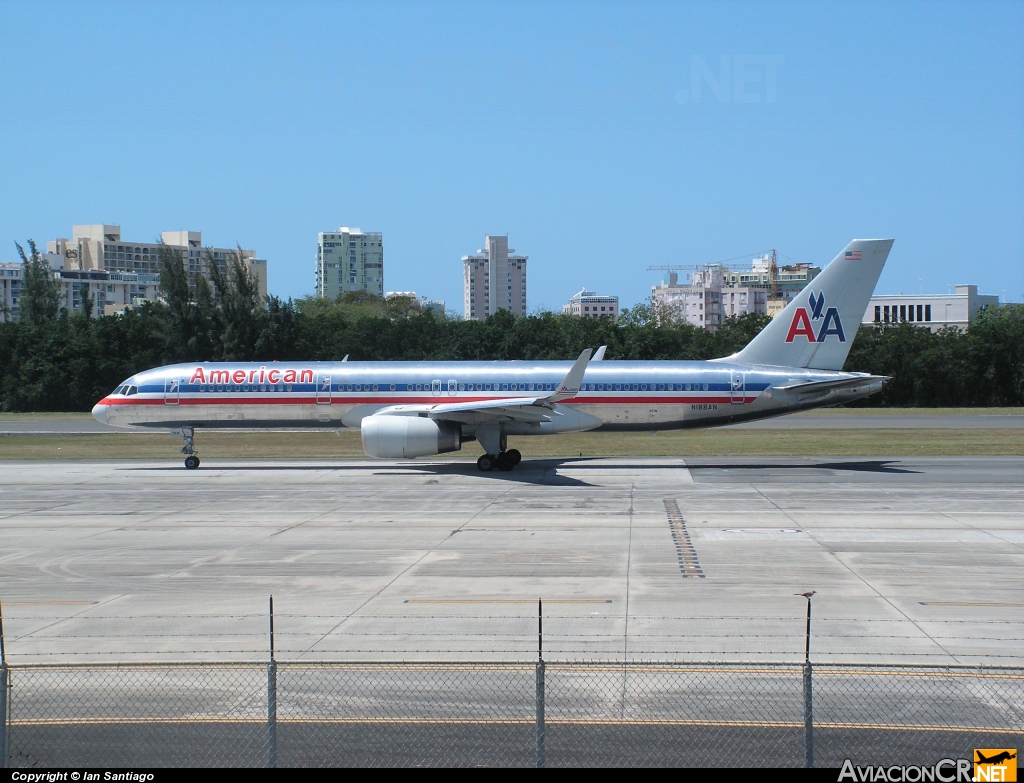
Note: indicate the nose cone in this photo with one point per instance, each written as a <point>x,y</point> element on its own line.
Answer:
<point>99,412</point>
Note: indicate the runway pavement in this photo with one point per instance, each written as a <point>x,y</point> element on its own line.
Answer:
<point>915,560</point>
<point>812,420</point>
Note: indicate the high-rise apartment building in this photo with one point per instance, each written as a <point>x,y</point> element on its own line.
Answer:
<point>349,260</point>
<point>493,280</point>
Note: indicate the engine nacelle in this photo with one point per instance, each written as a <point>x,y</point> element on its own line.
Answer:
<point>408,436</point>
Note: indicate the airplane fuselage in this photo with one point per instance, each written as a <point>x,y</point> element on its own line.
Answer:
<point>614,395</point>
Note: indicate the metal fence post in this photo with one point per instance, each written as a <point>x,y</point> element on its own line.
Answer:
<point>808,717</point>
<point>272,697</point>
<point>5,710</point>
<point>5,704</point>
<point>540,683</point>
<point>808,690</point>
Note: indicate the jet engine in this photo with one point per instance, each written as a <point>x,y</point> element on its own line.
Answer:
<point>408,436</point>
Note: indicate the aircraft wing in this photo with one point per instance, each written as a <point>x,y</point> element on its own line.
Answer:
<point>529,409</point>
<point>519,408</point>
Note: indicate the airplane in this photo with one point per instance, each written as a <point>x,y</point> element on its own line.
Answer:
<point>419,409</point>
<point>996,759</point>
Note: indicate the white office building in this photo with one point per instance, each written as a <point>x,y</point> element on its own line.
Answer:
<point>588,304</point>
<point>12,277</point>
<point>349,259</point>
<point>698,302</point>
<point>716,292</point>
<point>933,311</point>
<point>494,279</point>
<point>100,248</point>
<point>108,292</point>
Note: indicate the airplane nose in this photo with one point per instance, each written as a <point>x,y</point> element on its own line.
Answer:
<point>99,412</point>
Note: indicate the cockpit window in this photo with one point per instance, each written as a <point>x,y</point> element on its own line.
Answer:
<point>131,390</point>
<point>118,390</point>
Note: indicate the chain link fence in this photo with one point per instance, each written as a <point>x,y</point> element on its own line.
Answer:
<point>504,714</point>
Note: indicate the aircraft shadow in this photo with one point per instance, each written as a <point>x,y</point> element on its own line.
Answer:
<point>544,471</point>
<point>862,466</point>
<point>534,471</point>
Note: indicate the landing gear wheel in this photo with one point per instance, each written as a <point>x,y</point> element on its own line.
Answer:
<point>486,463</point>
<point>191,462</point>
<point>505,462</point>
<point>514,456</point>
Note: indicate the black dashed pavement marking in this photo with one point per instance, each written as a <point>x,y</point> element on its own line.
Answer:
<point>689,566</point>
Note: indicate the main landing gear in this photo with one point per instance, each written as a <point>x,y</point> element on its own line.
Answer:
<point>506,460</point>
<point>191,459</point>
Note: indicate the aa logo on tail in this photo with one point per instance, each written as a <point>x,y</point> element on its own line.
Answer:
<point>802,321</point>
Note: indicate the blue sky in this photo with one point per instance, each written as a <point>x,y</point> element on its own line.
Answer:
<point>601,137</point>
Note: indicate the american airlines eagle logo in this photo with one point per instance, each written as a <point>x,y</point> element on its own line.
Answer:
<point>803,321</point>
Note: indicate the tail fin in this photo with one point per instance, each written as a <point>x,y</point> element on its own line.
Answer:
<point>817,328</point>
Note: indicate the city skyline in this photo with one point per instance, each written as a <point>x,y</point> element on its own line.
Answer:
<point>610,138</point>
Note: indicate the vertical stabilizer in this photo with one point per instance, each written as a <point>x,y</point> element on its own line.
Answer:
<point>817,328</point>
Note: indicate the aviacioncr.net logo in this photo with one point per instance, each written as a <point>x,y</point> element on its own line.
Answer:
<point>946,771</point>
<point>802,323</point>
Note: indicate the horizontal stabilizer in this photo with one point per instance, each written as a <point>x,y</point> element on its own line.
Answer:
<point>814,389</point>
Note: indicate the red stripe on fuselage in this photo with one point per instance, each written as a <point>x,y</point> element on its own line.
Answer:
<point>311,400</point>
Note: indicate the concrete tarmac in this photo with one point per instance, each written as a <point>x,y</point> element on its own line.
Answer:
<point>811,420</point>
<point>915,560</point>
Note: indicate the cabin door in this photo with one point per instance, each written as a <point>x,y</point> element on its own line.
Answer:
<point>738,386</point>
<point>323,390</point>
<point>172,391</point>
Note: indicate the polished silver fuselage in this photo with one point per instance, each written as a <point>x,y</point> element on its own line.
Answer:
<point>641,395</point>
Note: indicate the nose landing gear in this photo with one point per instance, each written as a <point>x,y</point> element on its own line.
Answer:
<point>191,459</point>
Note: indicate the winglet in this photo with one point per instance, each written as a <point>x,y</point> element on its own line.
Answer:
<point>599,354</point>
<point>570,385</point>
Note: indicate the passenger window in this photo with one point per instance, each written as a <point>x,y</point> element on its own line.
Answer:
<point>504,387</point>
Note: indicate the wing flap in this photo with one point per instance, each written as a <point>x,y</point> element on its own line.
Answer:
<point>519,408</point>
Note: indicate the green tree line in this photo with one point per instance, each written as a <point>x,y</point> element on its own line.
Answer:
<point>55,361</point>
